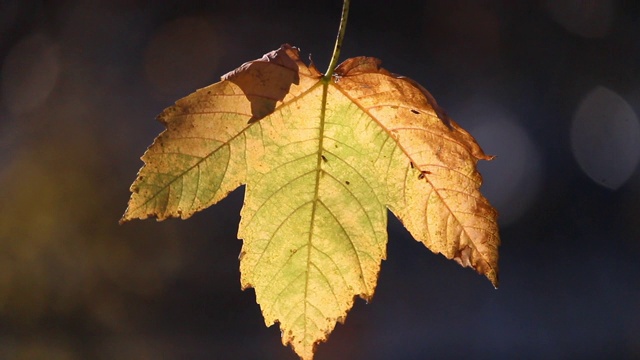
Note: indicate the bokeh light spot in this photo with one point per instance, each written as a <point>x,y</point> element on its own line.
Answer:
<point>512,179</point>
<point>589,19</point>
<point>473,35</point>
<point>605,138</point>
<point>183,55</point>
<point>29,73</point>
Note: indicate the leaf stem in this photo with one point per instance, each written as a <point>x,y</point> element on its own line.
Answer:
<point>336,50</point>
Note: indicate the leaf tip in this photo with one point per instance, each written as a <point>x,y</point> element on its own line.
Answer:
<point>126,217</point>
<point>492,275</point>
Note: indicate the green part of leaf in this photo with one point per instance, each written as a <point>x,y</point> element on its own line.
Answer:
<point>322,163</point>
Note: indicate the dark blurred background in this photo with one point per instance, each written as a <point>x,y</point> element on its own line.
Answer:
<point>550,87</point>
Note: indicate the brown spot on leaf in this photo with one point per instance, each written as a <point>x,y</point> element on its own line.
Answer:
<point>423,174</point>
<point>259,88</point>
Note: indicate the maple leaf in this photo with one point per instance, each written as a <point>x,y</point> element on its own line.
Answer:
<point>322,160</point>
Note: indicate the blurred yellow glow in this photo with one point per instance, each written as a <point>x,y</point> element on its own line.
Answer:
<point>62,253</point>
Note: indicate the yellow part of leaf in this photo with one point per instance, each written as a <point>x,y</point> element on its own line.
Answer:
<point>322,161</point>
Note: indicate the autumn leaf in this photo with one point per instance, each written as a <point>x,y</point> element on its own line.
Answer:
<point>322,160</point>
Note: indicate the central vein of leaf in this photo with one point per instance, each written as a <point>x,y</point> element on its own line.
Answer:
<point>323,108</point>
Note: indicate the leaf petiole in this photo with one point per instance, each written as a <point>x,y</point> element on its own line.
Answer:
<point>336,50</point>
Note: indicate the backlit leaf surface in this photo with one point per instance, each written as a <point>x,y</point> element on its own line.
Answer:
<point>322,160</point>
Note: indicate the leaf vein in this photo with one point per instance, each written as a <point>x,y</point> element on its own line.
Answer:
<point>353,247</point>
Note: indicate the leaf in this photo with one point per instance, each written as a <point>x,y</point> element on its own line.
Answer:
<point>322,160</point>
